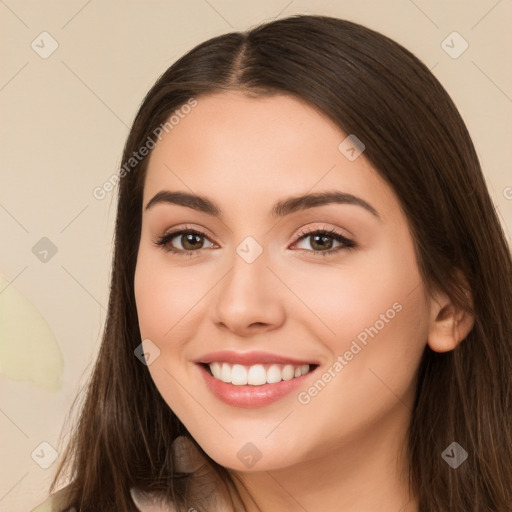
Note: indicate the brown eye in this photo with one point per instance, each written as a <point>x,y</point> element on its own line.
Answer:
<point>322,242</point>
<point>191,241</point>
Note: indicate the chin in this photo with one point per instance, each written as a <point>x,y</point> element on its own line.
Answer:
<point>251,456</point>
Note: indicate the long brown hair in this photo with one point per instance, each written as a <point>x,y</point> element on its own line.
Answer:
<point>416,140</point>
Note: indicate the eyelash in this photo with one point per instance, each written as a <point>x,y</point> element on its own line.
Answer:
<point>164,240</point>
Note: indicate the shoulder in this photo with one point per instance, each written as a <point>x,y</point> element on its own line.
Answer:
<point>54,503</point>
<point>143,501</point>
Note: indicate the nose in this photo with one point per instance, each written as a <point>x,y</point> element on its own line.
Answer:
<point>249,299</point>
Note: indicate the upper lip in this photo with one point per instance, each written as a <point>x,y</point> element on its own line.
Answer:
<point>249,358</point>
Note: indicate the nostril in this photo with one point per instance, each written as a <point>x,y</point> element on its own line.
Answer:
<point>258,324</point>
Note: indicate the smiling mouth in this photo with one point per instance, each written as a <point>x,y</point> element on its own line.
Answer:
<point>257,374</point>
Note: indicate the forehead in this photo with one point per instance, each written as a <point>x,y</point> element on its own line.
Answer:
<point>244,148</point>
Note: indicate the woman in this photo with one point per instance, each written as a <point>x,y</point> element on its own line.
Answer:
<point>310,294</point>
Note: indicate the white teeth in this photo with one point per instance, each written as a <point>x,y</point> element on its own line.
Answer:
<point>274,374</point>
<point>256,375</point>
<point>288,372</point>
<point>216,370</point>
<point>225,374</point>
<point>238,375</point>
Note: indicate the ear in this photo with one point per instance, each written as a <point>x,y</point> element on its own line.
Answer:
<point>449,325</point>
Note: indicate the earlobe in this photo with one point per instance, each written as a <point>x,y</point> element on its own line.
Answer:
<point>449,325</point>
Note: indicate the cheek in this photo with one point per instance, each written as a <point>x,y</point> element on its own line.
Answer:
<point>374,363</point>
<point>153,306</point>
<point>374,315</point>
<point>165,300</point>
<point>364,297</point>
<point>164,295</point>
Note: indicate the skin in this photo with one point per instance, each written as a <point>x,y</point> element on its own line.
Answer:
<point>344,449</point>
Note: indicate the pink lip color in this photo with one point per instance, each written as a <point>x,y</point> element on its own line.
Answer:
<point>250,358</point>
<point>250,396</point>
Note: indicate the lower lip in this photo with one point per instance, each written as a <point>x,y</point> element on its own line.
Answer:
<point>251,396</point>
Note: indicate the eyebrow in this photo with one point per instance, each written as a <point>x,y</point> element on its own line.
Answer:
<point>280,208</point>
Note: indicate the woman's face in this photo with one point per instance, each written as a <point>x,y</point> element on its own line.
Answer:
<point>272,284</point>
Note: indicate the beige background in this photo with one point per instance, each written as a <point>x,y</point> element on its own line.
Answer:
<point>64,122</point>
